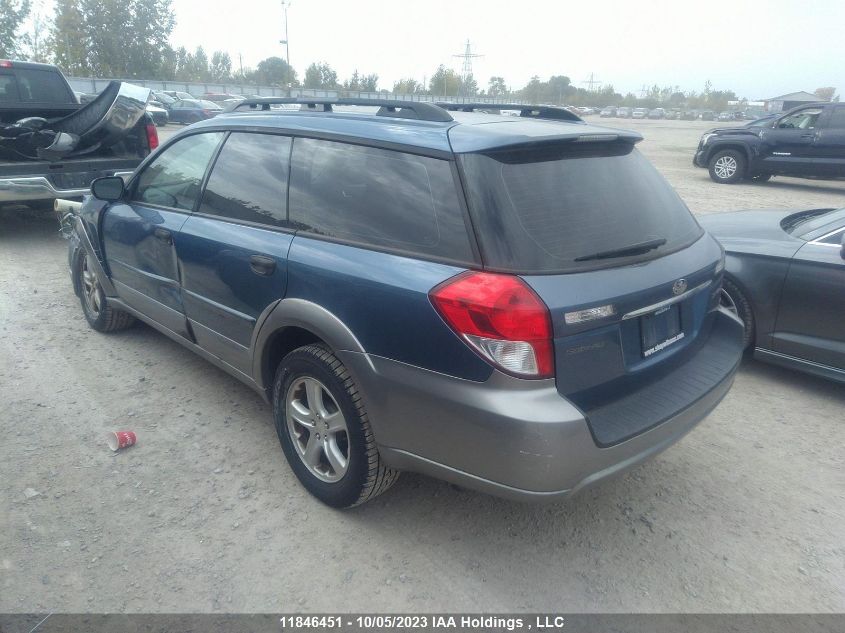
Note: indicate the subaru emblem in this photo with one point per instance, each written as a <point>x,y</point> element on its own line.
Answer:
<point>679,287</point>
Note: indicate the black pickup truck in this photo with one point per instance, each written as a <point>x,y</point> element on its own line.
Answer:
<point>51,146</point>
<point>807,142</point>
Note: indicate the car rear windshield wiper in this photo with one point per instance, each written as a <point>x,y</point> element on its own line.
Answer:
<point>633,249</point>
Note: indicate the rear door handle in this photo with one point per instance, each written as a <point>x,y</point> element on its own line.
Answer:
<point>813,135</point>
<point>164,235</point>
<point>262,265</point>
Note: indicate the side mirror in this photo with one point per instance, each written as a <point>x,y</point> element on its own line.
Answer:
<point>109,188</point>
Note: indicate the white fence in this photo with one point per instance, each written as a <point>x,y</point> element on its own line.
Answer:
<point>91,85</point>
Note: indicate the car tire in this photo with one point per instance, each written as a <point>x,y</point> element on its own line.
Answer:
<point>762,177</point>
<point>727,166</point>
<point>324,429</point>
<point>95,305</point>
<point>734,300</point>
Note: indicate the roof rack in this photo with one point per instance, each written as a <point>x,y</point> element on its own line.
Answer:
<point>420,110</point>
<point>528,111</point>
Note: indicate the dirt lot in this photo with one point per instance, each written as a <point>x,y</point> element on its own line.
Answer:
<point>747,513</point>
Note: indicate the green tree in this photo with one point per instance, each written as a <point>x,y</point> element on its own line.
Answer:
<point>826,94</point>
<point>12,15</point>
<point>320,76</point>
<point>496,87</point>
<point>221,66</point>
<point>124,38</point>
<point>67,39</point>
<point>364,83</point>
<point>199,65</point>
<point>275,72</point>
<point>444,82</point>
<point>408,86</point>
<point>467,87</point>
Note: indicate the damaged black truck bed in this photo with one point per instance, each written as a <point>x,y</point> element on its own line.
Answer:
<point>53,147</point>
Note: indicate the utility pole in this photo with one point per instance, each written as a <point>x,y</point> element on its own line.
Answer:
<point>466,67</point>
<point>591,82</point>
<point>285,6</point>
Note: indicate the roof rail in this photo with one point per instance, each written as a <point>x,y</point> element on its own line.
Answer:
<point>528,111</point>
<point>421,110</point>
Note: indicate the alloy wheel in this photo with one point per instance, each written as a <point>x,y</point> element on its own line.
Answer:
<point>318,429</point>
<point>725,167</point>
<point>91,288</point>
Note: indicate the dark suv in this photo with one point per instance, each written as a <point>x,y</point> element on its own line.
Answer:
<point>520,305</point>
<point>808,141</point>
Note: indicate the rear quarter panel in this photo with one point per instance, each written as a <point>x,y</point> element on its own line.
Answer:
<point>383,299</point>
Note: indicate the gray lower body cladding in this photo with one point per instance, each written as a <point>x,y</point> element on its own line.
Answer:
<point>514,438</point>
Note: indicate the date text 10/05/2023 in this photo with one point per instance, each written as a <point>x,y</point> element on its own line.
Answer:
<point>453,622</point>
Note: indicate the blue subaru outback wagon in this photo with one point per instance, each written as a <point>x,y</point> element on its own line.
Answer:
<point>520,305</point>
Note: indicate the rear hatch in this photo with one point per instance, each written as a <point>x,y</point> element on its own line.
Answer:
<point>629,277</point>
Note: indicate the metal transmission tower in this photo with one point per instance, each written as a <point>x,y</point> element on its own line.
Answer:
<point>466,67</point>
<point>592,82</point>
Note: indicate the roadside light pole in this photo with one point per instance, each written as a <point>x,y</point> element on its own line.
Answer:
<point>285,5</point>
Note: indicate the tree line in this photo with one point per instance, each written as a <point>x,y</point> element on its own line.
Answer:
<point>130,39</point>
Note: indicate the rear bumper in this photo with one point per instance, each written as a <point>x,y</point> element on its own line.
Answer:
<point>518,439</point>
<point>28,188</point>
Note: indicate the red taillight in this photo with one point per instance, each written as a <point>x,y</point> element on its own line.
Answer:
<point>5,63</point>
<point>152,136</point>
<point>501,318</point>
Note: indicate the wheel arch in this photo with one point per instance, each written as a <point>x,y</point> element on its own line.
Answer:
<point>293,323</point>
<point>735,145</point>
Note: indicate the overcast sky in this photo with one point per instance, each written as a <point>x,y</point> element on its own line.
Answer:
<point>759,49</point>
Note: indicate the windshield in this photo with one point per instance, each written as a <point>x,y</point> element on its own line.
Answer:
<point>553,209</point>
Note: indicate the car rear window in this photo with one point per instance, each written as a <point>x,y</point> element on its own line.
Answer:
<point>540,210</point>
<point>377,197</point>
<point>42,86</point>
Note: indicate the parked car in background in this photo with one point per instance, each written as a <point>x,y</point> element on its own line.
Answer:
<point>707,115</point>
<point>623,112</point>
<point>164,99</point>
<point>187,111</point>
<point>588,339</point>
<point>657,113</point>
<point>688,115</point>
<point>726,116</point>
<point>808,141</point>
<point>609,111</point>
<point>639,113</point>
<point>175,94</point>
<point>785,278</point>
<point>673,114</point>
<point>221,97</point>
<point>158,114</point>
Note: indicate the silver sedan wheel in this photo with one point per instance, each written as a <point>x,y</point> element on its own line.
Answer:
<point>91,288</point>
<point>318,429</point>
<point>725,167</point>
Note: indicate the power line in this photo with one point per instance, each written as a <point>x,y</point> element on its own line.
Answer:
<point>466,67</point>
<point>591,82</point>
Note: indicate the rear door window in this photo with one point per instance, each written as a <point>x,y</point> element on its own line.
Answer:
<point>377,197</point>
<point>175,176</point>
<point>837,118</point>
<point>559,208</point>
<point>249,179</point>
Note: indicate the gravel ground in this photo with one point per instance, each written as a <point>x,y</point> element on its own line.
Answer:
<point>744,514</point>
